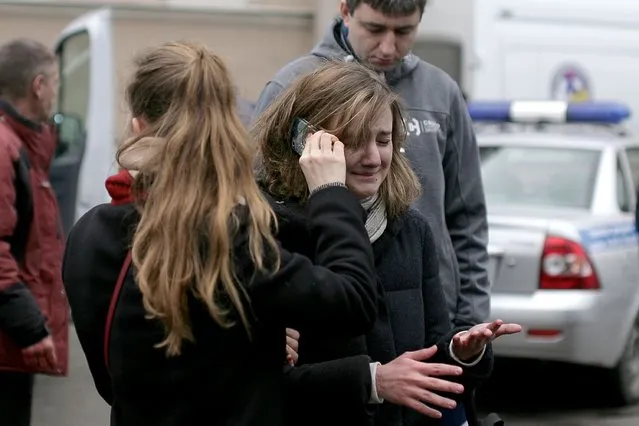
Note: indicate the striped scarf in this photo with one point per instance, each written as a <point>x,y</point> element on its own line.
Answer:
<point>376,220</point>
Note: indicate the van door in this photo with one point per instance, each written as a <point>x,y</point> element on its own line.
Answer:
<point>84,119</point>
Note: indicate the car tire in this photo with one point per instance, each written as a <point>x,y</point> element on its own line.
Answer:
<point>625,376</point>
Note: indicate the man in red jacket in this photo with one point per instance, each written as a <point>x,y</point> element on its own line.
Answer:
<point>33,306</point>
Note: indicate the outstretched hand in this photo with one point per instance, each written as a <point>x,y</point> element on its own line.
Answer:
<point>469,344</point>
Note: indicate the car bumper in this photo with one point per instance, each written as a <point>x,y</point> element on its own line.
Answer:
<point>559,326</point>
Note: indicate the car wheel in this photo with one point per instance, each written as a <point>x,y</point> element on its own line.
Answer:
<point>626,375</point>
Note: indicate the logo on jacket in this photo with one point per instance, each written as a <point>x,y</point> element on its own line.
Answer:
<point>416,127</point>
<point>570,83</point>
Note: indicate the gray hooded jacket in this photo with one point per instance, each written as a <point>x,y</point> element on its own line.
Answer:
<point>442,149</point>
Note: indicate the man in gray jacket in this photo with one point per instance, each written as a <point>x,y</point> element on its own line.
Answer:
<point>441,144</point>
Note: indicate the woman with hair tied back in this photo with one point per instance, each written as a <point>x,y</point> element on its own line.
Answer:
<point>196,333</point>
<point>413,363</point>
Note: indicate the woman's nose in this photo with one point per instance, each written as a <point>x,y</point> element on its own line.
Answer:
<point>371,156</point>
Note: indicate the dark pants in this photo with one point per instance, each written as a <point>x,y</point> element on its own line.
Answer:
<point>16,393</point>
<point>454,417</point>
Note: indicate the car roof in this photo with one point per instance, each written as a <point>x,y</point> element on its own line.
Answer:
<point>591,137</point>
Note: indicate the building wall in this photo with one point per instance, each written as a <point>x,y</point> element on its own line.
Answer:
<point>254,44</point>
<point>325,12</point>
<point>253,51</point>
<point>309,4</point>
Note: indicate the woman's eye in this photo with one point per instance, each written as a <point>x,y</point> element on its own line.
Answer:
<point>386,142</point>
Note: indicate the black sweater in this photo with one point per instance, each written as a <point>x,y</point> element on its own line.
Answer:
<point>223,376</point>
<point>331,383</point>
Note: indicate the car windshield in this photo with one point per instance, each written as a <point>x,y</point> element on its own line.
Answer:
<point>540,176</point>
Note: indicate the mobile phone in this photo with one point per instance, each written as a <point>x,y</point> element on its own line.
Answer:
<point>299,132</point>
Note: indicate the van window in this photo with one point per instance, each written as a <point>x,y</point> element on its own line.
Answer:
<point>444,54</point>
<point>74,55</point>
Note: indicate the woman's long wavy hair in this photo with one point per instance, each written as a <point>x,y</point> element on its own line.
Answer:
<point>189,191</point>
<point>342,98</point>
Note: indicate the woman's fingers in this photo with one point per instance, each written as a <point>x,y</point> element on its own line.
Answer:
<point>320,163</point>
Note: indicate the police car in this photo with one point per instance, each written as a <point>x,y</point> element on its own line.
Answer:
<point>560,182</point>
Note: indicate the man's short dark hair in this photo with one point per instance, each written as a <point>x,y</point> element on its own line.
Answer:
<point>22,60</point>
<point>390,7</point>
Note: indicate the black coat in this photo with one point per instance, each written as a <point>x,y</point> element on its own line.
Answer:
<point>222,377</point>
<point>331,383</point>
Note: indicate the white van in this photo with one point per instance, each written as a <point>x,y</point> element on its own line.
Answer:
<point>575,50</point>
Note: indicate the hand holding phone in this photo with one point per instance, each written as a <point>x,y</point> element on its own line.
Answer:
<point>321,154</point>
<point>300,131</point>
<point>323,162</point>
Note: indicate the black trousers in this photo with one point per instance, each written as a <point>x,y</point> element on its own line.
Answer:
<point>16,393</point>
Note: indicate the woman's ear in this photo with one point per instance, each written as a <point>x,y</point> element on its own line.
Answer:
<point>137,125</point>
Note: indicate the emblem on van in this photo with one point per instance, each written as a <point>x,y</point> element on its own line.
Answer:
<point>571,83</point>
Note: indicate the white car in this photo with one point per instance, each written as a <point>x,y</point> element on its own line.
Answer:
<point>560,182</point>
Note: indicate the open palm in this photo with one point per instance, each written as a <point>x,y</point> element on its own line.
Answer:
<point>470,343</point>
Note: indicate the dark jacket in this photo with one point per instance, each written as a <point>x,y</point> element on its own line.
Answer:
<point>32,300</point>
<point>331,383</point>
<point>442,149</point>
<point>222,376</point>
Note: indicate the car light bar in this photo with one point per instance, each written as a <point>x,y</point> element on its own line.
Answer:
<point>548,112</point>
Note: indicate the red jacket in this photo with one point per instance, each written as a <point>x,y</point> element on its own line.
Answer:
<point>38,279</point>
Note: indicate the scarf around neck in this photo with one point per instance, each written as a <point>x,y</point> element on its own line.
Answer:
<point>376,220</point>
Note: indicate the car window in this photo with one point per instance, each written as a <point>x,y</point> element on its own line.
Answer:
<point>633,160</point>
<point>623,198</point>
<point>561,177</point>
